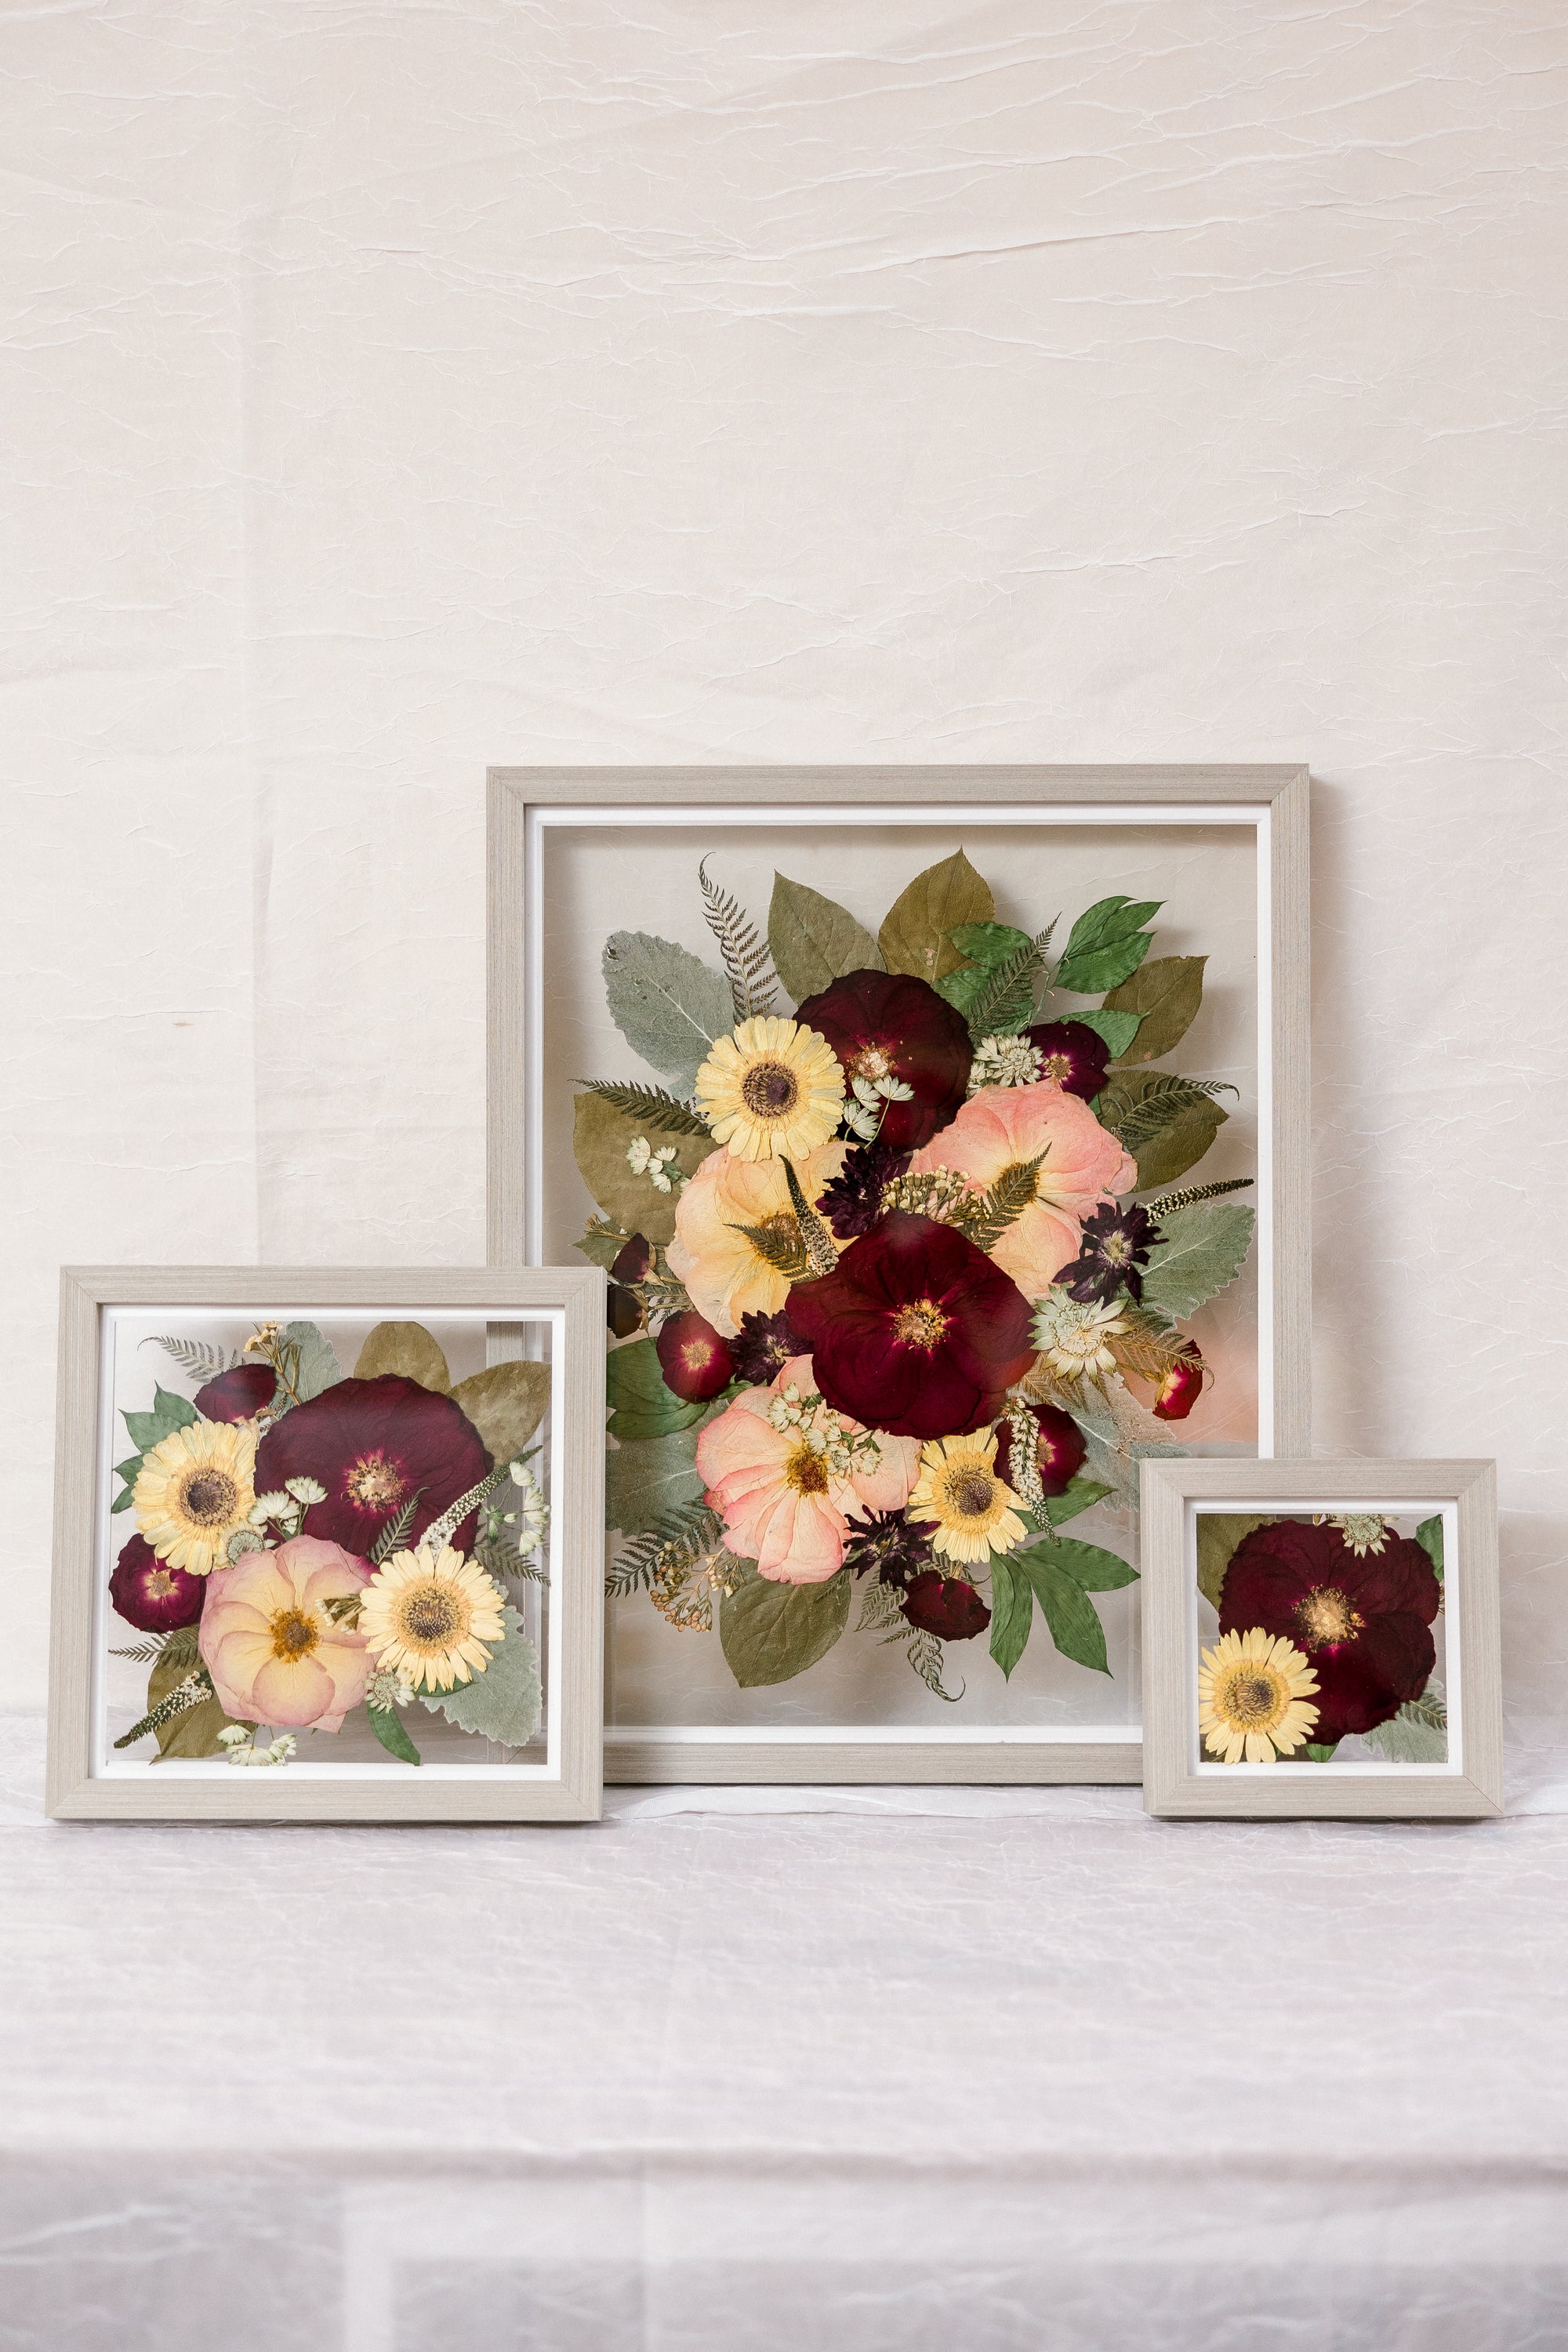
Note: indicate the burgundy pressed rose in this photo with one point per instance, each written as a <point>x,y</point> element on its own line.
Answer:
<point>695,1361</point>
<point>237,1395</point>
<point>763,1346</point>
<point>1060,1449</point>
<point>1072,1054</point>
<point>947,1606</point>
<point>915,1330</point>
<point>1182,1386</point>
<point>1365,1626</point>
<point>885,1025</point>
<point>623,1308</point>
<point>373,1445</point>
<point>151,1593</point>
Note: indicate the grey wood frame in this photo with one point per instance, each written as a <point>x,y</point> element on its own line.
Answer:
<point>577,1404</point>
<point>1174,1788</point>
<point>1283,791</point>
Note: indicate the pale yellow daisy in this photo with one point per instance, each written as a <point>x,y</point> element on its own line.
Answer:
<point>195,1490</point>
<point>427,1616</point>
<point>1255,1697</point>
<point>959,1494</point>
<point>773,1091</point>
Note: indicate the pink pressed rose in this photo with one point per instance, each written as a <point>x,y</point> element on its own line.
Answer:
<point>1006,1127</point>
<point>787,1476</point>
<point>270,1645</point>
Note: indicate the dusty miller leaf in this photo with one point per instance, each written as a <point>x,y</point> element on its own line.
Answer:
<point>914,934</point>
<point>504,1702</point>
<point>1164,994</point>
<point>771,1633</point>
<point>1204,1250</point>
<point>668,1004</point>
<point>317,1369</point>
<point>1418,1734</point>
<point>814,941</point>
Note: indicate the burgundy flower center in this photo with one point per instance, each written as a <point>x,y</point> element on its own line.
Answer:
<point>375,1483</point>
<point>770,1088</point>
<point>1326,1617</point>
<point>1056,1067</point>
<point>970,1493</point>
<point>806,1471</point>
<point>208,1497</point>
<point>872,1063</point>
<point>158,1583</point>
<point>920,1324</point>
<point>430,1615</point>
<point>294,1635</point>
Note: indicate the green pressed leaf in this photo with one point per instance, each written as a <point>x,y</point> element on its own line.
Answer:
<point>1429,1536</point>
<point>1164,994</point>
<point>641,1406</point>
<point>1118,1029</point>
<point>602,1242</point>
<point>771,1633</point>
<point>666,1004</point>
<point>1187,1122</point>
<point>1106,945</point>
<point>1092,1569</point>
<point>169,1412</point>
<point>388,1725</point>
<point>1312,1754</point>
<point>317,1369</point>
<point>1204,1250</point>
<point>1012,1613</point>
<point>600,1138</point>
<point>914,934</point>
<point>122,1501</point>
<point>1418,1734</point>
<point>1081,1495</point>
<point>1067,1608</point>
<point>654,1110</point>
<point>814,941</point>
<point>1218,1535</point>
<point>407,1350</point>
<point>644,1482</point>
<point>193,1733</point>
<point>504,1702</point>
<point>996,1000</point>
<point>988,945</point>
<point>506,1403</point>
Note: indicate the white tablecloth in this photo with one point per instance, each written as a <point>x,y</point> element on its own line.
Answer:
<point>863,2070</point>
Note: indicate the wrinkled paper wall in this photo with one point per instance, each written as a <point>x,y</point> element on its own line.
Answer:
<point>395,389</point>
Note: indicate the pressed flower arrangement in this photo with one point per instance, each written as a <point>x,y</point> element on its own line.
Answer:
<point>900,1269</point>
<point>312,1548</point>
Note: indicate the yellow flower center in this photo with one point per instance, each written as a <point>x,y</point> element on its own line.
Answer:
<point>969,1491</point>
<point>294,1634</point>
<point>1056,1067</point>
<point>1326,1617</point>
<point>770,1089</point>
<point>806,1471</point>
<point>431,1616</point>
<point>375,1483</point>
<point>920,1324</point>
<point>160,1583</point>
<point>207,1496</point>
<point>873,1064</point>
<point>1250,1699</point>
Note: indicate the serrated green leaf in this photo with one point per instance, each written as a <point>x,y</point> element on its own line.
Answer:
<point>643,1482</point>
<point>668,1004</point>
<point>641,1406</point>
<point>771,1633</point>
<point>1081,1495</point>
<point>1204,1250</point>
<point>1429,1536</point>
<point>600,1138</point>
<point>989,945</point>
<point>914,933</point>
<point>388,1725</point>
<point>814,941</point>
<point>1067,1608</point>
<point>1088,1565</point>
<point>169,1412</point>
<point>319,1368</point>
<point>1012,1613</point>
<point>1218,1533</point>
<point>504,1702</point>
<point>1106,945</point>
<point>1164,993</point>
<point>1109,919</point>
<point>1118,1029</point>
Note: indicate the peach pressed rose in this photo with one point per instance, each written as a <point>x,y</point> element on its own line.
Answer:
<point>721,1268</point>
<point>270,1645</point>
<point>1005,1127</point>
<point>787,1476</point>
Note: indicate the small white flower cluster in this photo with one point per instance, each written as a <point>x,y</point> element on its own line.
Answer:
<point>1073,1337</point>
<point>242,1748</point>
<point>283,1510</point>
<point>1005,1062</point>
<point>822,1432</point>
<point>387,1690</point>
<point>657,1166</point>
<point>864,1114</point>
<point>1024,1456</point>
<point>529,1522</point>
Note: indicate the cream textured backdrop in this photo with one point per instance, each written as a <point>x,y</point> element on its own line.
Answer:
<point>393,389</point>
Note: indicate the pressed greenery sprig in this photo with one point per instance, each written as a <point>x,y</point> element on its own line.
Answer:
<point>1004,1002</point>
<point>1138,1121</point>
<point>1190,1196</point>
<point>653,1107</point>
<point>748,967</point>
<point>184,1695</point>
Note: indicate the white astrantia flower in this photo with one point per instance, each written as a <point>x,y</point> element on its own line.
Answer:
<point>1364,1531</point>
<point>1005,1062</point>
<point>1074,1338</point>
<point>387,1690</point>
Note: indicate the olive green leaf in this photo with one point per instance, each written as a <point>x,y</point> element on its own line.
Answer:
<point>195,1731</point>
<point>1106,945</point>
<point>600,1138</point>
<point>1067,1608</point>
<point>1313,1754</point>
<point>668,1004</point>
<point>814,941</point>
<point>771,1633</point>
<point>1429,1536</point>
<point>504,1702</point>
<point>645,1482</point>
<point>1092,1569</point>
<point>641,1406</point>
<point>914,934</point>
<point>407,1350</point>
<point>1118,1029</point>
<point>1165,994</point>
<point>1167,1123</point>
<point>388,1725</point>
<point>1218,1536</point>
<point>603,1242</point>
<point>1204,1249</point>
<point>1081,1495</point>
<point>506,1404</point>
<point>1012,1613</point>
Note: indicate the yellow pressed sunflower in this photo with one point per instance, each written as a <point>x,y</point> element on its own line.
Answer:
<point>1256,1697</point>
<point>427,1616</point>
<point>773,1091</point>
<point>958,1491</point>
<point>195,1490</point>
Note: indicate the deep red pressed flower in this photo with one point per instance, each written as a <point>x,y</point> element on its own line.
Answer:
<point>948,1606</point>
<point>237,1394</point>
<point>151,1594</point>
<point>623,1308</point>
<point>885,1025</point>
<point>1365,1626</point>
<point>1182,1386</point>
<point>763,1346</point>
<point>915,1330</point>
<point>890,1544</point>
<point>695,1360</point>
<point>374,1444</point>
<point>1058,1452</point>
<point>1072,1054</point>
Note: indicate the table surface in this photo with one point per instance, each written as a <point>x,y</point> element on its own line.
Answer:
<point>868,2067</point>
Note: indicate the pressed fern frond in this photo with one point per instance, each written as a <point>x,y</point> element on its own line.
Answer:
<point>879,1610</point>
<point>1138,1120</point>
<point>1430,1709</point>
<point>200,1361</point>
<point>1013,1192</point>
<point>649,1106</point>
<point>1189,1197</point>
<point>1149,1348</point>
<point>394,1534</point>
<point>747,965</point>
<point>925,1656</point>
<point>676,1538</point>
<point>1003,1003</point>
<point>779,1244</point>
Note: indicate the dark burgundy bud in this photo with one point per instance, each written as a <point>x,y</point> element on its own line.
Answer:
<point>696,1361</point>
